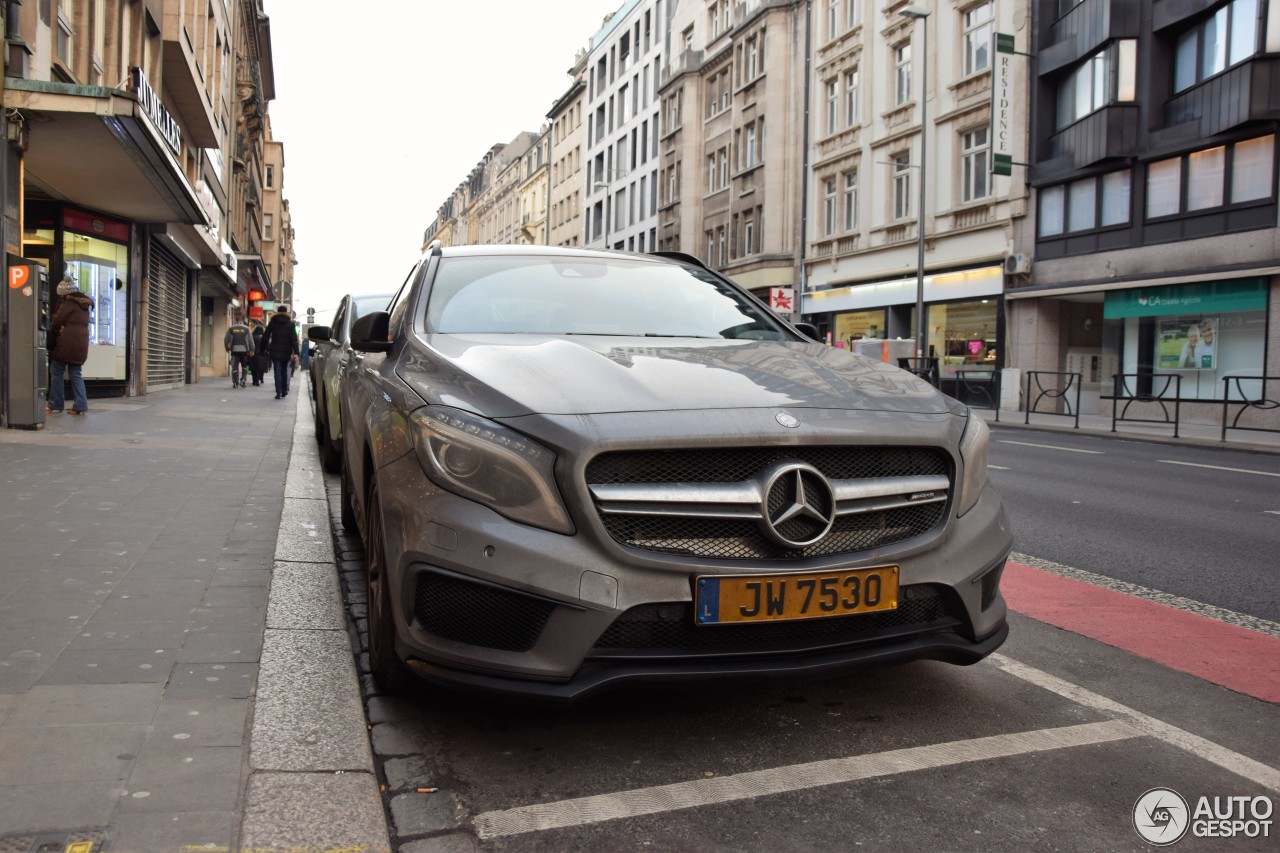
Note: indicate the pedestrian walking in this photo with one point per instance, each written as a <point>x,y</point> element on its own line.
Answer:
<point>239,343</point>
<point>260,363</point>
<point>280,341</point>
<point>70,351</point>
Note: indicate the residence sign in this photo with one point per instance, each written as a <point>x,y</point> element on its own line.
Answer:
<point>155,110</point>
<point>1002,105</point>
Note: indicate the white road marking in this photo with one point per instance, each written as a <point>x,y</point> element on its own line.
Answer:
<point>1271,511</point>
<point>780,780</point>
<point>1054,447</point>
<point>1254,771</point>
<point>1219,468</point>
<point>998,468</point>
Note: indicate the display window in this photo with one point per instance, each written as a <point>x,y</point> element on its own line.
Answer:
<point>964,335</point>
<point>1201,333</point>
<point>856,325</point>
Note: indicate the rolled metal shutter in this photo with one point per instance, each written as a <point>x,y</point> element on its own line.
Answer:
<point>166,312</point>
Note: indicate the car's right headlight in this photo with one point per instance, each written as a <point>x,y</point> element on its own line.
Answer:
<point>973,450</point>
<point>484,461</point>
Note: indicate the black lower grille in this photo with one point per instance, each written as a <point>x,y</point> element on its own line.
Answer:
<point>665,630</point>
<point>479,614</point>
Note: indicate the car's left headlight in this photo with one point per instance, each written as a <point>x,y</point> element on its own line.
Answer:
<point>973,450</point>
<point>490,464</point>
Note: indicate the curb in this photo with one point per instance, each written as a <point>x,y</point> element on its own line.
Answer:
<point>309,745</point>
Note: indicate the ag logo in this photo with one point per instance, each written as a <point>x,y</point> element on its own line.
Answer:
<point>1161,816</point>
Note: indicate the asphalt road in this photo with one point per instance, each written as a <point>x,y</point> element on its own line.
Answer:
<point>1203,523</point>
<point>1046,745</point>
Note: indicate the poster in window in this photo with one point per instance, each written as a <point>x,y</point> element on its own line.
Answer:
<point>1188,343</point>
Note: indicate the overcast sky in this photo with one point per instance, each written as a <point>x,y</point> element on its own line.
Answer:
<point>385,107</point>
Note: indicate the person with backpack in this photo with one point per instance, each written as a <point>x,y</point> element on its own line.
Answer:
<point>260,364</point>
<point>239,343</point>
<point>280,341</point>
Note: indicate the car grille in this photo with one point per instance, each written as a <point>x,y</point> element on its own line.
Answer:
<point>479,614</point>
<point>668,630</point>
<point>678,517</point>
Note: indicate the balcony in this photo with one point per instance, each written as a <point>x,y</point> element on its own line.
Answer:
<point>1249,91</point>
<point>1087,27</point>
<point>682,63</point>
<point>183,78</point>
<point>1103,134</point>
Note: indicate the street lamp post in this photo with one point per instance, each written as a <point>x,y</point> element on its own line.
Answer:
<point>922,14</point>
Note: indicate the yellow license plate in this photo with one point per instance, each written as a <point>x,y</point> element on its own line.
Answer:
<point>725,599</point>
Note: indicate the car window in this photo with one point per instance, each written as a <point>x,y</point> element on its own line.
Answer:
<point>399,303</point>
<point>566,295</point>
<point>338,331</point>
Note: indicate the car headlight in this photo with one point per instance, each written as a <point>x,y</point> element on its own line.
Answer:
<point>973,450</point>
<point>490,464</point>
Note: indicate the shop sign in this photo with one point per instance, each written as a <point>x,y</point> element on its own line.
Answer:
<point>155,109</point>
<point>782,299</point>
<point>255,312</point>
<point>1002,117</point>
<point>1208,297</point>
<point>209,206</point>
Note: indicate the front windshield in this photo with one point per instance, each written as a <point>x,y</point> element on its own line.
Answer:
<point>590,296</point>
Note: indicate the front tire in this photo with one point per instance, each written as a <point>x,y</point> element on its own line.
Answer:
<point>387,668</point>
<point>330,450</point>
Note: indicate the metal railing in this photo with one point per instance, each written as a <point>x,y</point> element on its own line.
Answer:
<point>1172,381</point>
<point>1267,399</point>
<point>1055,394</point>
<point>979,389</point>
<point>926,368</point>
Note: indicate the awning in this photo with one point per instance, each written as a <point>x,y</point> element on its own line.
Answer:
<point>253,274</point>
<point>97,148</point>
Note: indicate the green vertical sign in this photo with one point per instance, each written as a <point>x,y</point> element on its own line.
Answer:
<point>1002,113</point>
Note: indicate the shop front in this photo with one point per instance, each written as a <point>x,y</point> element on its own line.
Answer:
<point>1201,333</point>
<point>963,313</point>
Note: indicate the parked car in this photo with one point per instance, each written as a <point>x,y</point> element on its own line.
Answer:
<point>577,469</point>
<point>330,356</point>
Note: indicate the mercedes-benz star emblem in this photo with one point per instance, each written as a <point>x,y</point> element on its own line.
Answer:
<point>799,505</point>
<point>787,419</point>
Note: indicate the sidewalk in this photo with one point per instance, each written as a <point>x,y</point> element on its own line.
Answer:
<point>1203,435</point>
<point>175,671</point>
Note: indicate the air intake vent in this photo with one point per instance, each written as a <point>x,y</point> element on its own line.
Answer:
<point>479,614</point>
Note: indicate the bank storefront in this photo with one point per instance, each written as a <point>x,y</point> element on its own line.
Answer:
<point>1201,332</point>
<point>963,313</point>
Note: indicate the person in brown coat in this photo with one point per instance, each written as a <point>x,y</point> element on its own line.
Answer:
<point>71,349</point>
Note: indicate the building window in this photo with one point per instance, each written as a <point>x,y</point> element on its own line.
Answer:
<point>902,74</point>
<point>833,106</point>
<point>711,173</point>
<point>268,222</point>
<point>828,207</point>
<point>271,177</point>
<point>749,238</point>
<point>901,186</point>
<point>1089,86</point>
<point>853,13</point>
<point>1214,177</point>
<point>833,18</point>
<point>753,57</point>
<point>62,44</point>
<point>1085,204</point>
<point>720,246</point>
<point>1228,36</point>
<point>975,174</point>
<point>851,200</point>
<point>711,248</point>
<point>851,98</point>
<point>752,157</point>
<point>977,39</point>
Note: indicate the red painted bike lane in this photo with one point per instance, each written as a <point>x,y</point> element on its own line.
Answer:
<point>1236,658</point>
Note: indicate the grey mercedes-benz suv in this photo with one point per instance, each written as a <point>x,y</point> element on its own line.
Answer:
<point>574,469</point>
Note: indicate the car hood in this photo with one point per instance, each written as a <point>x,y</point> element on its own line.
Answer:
<point>514,375</point>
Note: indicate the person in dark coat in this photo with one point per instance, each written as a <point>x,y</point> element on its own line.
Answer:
<point>71,349</point>
<point>280,341</point>
<point>261,362</point>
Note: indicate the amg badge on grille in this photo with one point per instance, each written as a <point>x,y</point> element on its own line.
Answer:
<point>787,419</point>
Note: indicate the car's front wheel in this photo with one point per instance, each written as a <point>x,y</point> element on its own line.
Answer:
<point>385,664</point>
<point>346,498</point>
<point>330,450</point>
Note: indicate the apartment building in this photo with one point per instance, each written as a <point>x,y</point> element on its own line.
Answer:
<point>277,223</point>
<point>1154,162</point>
<point>126,124</point>
<point>568,138</point>
<point>623,73</point>
<point>496,209</point>
<point>535,192</point>
<point>874,113</point>
<point>732,139</point>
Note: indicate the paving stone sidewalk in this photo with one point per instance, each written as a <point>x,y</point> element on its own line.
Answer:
<point>137,549</point>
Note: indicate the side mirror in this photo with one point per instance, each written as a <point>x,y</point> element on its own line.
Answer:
<point>808,329</point>
<point>319,333</point>
<point>369,333</point>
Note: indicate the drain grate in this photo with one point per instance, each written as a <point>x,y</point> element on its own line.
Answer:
<point>71,841</point>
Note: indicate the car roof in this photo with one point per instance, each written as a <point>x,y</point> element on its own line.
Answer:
<point>544,251</point>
